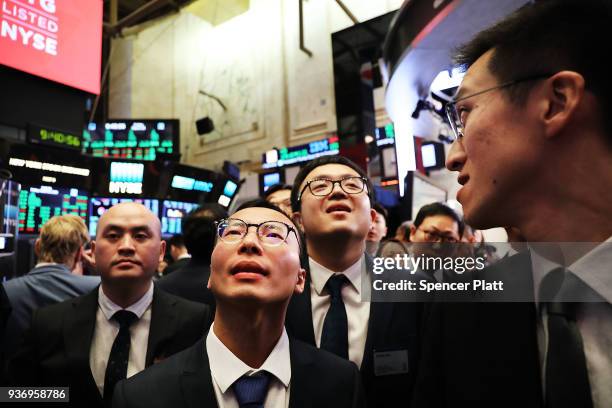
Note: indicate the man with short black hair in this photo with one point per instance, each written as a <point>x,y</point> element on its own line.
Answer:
<point>179,254</point>
<point>533,150</point>
<point>332,202</point>
<point>280,195</point>
<point>246,359</point>
<point>199,232</point>
<point>378,230</point>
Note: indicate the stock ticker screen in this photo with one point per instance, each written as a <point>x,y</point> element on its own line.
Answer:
<point>38,204</point>
<point>172,215</point>
<point>99,205</point>
<point>131,139</point>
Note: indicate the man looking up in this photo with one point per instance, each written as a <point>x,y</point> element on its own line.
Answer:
<point>533,150</point>
<point>91,342</point>
<point>246,359</point>
<point>331,200</point>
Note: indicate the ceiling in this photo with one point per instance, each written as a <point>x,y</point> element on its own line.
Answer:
<point>134,12</point>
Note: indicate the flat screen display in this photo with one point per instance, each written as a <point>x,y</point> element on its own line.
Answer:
<point>39,203</point>
<point>270,179</point>
<point>172,215</point>
<point>60,40</point>
<point>99,205</point>
<point>131,139</point>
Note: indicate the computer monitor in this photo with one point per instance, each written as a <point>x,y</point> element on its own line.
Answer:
<point>172,215</point>
<point>99,205</point>
<point>39,203</point>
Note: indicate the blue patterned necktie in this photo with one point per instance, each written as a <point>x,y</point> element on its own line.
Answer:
<point>251,391</point>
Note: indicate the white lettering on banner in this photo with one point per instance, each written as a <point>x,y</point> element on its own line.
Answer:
<point>24,23</point>
<point>123,187</point>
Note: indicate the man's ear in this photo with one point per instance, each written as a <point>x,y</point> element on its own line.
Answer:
<point>37,248</point>
<point>412,232</point>
<point>93,251</point>
<point>301,281</point>
<point>564,94</point>
<point>162,250</point>
<point>297,219</point>
<point>373,215</point>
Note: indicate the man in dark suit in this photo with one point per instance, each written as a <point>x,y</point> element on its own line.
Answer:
<point>246,359</point>
<point>531,112</point>
<point>199,230</point>
<point>178,252</point>
<point>331,200</point>
<point>91,342</point>
<point>59,249</point>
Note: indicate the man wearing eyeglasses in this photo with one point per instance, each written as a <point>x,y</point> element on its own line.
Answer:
<point>332,202</point>
<point>533,150</point>
<point>246,359</point>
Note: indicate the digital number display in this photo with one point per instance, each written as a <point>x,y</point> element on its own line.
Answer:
<point>38,204</point>
<point>45,136</point>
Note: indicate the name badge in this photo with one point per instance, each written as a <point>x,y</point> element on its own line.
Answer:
<point>390,362</point>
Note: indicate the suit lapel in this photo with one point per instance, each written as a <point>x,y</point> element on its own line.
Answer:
<point>78,333</point>
<point>299,316</point>
<point>196,380</point>
<point>163,324</point>
<point>301,380</point>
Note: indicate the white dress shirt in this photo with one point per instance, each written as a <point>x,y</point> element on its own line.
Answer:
<point>357,311</point>
<point>594,320</point>
<point>106,330</point>
<point>226,368</point>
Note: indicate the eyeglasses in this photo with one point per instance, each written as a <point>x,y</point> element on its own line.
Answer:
<point>436,236</point>
<point>323,187</point>
<point>270,233</point>
<point>456,117</point>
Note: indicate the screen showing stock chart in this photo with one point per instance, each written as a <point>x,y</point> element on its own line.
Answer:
<point>39,203</point>
<point>172,215</point>
<point>99,205</point>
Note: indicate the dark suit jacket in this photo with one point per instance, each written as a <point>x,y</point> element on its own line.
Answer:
<point>391,326</point>
<point>483,354</point>
<point>318,379</point>
<point>176,265</point>
<point>5,311</point>
<point>42,286</point>
<point>190,282</point>
<point>56,352</point>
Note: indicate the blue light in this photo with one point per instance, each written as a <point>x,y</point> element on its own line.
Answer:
<point>230,188</point>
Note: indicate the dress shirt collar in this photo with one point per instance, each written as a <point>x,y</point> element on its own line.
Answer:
<point>109,307</point>
<point>40,264</point>
<point>319,275</point>
<point>184,256</point>
<point>226,368</point>
<point>593,269</point>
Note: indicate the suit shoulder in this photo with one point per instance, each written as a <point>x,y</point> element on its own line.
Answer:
<point>188,307</point>
<point>322,358</point>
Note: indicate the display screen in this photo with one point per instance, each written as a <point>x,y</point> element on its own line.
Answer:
<point>301,153</point>
<point>60,40</point>
<point>38,204</point>
<point>172,215</point>
<point>230,188</point>
<point>53,137</point>
<point>270,179</point>
<point>99,205</point>
<point>126,178</point>
<point>188,183</point>
<point>131,139</point>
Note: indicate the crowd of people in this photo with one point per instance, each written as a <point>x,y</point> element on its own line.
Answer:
<point>271,305</point>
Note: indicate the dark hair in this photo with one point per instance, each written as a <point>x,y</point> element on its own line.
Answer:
<point>546,37</point>
<point>322,161</point>
<point>261,203</point>
<point>176,241</point>
<point>200,231</point>
<point>274,188</point>
<point>381,210</point>
<point>433,209</point>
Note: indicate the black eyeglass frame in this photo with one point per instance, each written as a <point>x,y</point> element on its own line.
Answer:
<point>451,106</point>
<point>257,226</point>
<point>339,182</point>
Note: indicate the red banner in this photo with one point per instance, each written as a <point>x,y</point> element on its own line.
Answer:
<point>60,40</point>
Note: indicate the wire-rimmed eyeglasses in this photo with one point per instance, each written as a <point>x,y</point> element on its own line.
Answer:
<point>270,233</point>
<point>456,117</point>
<point>323,187</point>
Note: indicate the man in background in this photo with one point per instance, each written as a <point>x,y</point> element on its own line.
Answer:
<point>55,278</point>
<point>280,196</point>
<point>178,252</point>
<point>378,231</point>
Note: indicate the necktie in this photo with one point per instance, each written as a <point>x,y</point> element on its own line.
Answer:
<point>566,377</point>
<point>251,391</point>
<point>116,369</point>
<point>335,326</point>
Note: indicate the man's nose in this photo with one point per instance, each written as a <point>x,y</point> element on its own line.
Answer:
<point>250,242</point>
<point>126,244</point>
<point>456,157</point>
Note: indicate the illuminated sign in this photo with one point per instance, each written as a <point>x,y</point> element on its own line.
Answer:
<point>302,153</point>
<point>40,135</point>
<point>38,204</point>
<point>60,40</point>
<point>99,205</point>
<point>188,183</point>
<point>131,139</point>
<point>230,188</point>
<point>172,215</point>
<point>126,178</point>
<point>385,135</point>
<point>57,168</point>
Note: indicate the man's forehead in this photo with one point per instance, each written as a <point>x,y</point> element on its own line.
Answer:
<point>476,75</point>
<point>255,215</point>
<point>331,171</point>
<point>129,216</point>
<point>440,221</point>
<point>280,194</point>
